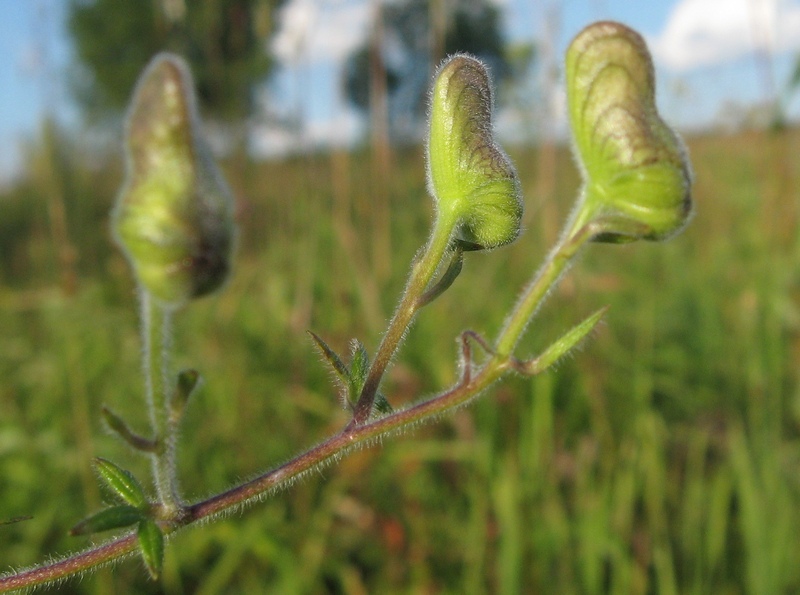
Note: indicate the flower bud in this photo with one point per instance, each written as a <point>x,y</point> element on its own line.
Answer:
<point>636,172</point>
<point>174,215</point>
<point>471,179</point>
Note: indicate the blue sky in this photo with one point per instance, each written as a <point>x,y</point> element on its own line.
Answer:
<point>34,54</point>
<point>712,57</point>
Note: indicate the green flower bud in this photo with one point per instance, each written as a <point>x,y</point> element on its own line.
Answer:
<point>174,215</point>
<point>471,179</point>
<point>636,171</point>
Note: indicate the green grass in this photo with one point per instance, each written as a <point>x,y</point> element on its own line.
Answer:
<point>662,458</point>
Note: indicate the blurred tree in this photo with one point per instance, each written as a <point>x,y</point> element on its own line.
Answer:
<point>224,41</point>
<point>415,36</point>
<point>779,117</point>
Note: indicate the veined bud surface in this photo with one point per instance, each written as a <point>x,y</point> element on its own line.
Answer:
<point>635,167</point>
<point>472,180</point>
<point>174,215</point>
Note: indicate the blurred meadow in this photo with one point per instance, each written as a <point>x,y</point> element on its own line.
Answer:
<point>664,457</point>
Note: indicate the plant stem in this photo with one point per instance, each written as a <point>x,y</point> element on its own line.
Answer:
<point>156,339</point>
<point>545,280</point>
<point>422,270</point>
<point>73,565</point>
<point>255,489</point>
<point>469,387</point>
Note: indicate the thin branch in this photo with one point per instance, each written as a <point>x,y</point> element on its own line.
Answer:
<point>353,435</point>
<point>257,488</point>
<point>74,564</point>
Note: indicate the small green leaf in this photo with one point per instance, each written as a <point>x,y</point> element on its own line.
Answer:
<point>114,517</point>
<point>121,482</point>
<point>331,357</point>
<point>446,280</point>
<point>635,166</point>
<point>338,367</point>
<point>117,425</point>
<point>188,383</point>
<point>473,182</point>
<point>359,363</point>
<point>382,405</point>
<point>151,546</point>
<point>562,346</point>
<point>359,368</point>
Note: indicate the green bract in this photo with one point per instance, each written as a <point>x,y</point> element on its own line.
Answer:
<point>637,174</point>
<point>473,182</point>
<point>174,216</point>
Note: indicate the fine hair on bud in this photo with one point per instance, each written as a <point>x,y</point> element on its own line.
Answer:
<point>473,183</point>
<point>174,215</point>
<point>637,176</point>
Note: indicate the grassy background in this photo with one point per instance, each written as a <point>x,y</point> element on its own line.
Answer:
<point>663,458</point>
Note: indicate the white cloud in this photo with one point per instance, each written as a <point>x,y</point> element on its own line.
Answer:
<point>340,131</point>
<point>707,32</point>
<point>313,40</point>
<point>311,31</point>
<point>320,30</point>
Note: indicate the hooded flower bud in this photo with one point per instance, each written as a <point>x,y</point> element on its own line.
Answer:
<point>471,179</point>
<point>636,170</point>
<point>174,215</point>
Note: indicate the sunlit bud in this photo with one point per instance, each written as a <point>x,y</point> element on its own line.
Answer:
<point>174,214</point>
<point>636,171</point>
<point>473,182</point>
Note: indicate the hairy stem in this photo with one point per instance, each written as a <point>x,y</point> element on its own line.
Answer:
<point>545,280</point>
<point>156,339</point>
<point>469,387</point>
<point>422,270</point>
<point>258,487</point>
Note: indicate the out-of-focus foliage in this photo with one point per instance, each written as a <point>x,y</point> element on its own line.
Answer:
<point>662,459</point>
<point>224,41</point>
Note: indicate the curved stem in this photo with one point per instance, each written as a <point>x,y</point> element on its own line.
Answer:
<point>422,270</point>
<point>534,294</point>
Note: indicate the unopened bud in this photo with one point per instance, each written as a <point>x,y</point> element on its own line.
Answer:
<point>174,214</point>
<point>637,173</point>
<point>471,179</point>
